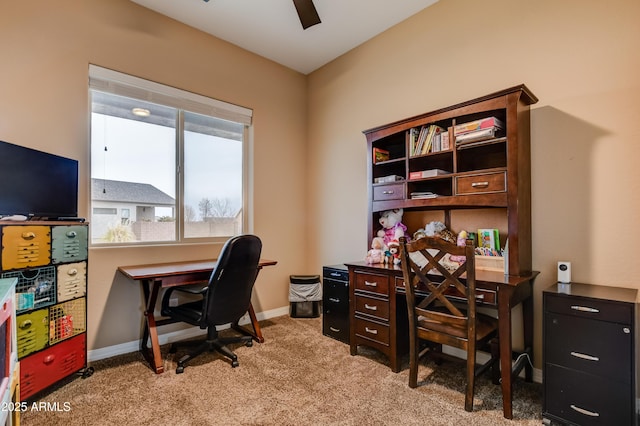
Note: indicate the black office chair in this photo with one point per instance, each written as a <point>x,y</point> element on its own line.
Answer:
<point>224,300</point>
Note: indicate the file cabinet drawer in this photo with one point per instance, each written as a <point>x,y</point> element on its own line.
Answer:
<point>72,281</point>
<point>25,246</point>
<point>68,243</point>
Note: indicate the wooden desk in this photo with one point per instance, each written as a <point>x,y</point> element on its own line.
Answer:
<point>154,277</point>
<point>388,322</point>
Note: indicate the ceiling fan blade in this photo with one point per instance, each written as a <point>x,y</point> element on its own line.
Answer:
<point>307,13</point>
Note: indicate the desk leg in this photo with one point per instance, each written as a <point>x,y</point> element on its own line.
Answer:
<point>153,356</point>
<point>504,334</point>
<point>257,332</point>
<point>527,325</point>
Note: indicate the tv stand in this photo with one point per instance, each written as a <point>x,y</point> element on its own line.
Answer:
<point>70,219</point>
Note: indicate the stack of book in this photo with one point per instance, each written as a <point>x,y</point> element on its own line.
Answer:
<point>422,194</point>
<point>478,130</point>
<point>429,138</point>
<point>380,155</point>
<point>428,173</point>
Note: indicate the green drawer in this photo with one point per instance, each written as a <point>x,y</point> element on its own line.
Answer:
<point>68,243</point>
<point>32,332</point>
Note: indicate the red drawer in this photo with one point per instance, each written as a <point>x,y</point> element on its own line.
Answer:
<point>45,368</point>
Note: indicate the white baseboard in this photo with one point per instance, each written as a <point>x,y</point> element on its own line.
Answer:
<point>133,346</point>
<point>482,357</point>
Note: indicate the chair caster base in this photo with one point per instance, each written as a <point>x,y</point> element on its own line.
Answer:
<point>234,364</point>
<point>180,369</point>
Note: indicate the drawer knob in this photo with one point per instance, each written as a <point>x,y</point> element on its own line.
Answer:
<point>371,330</point>
<point>335,330</point>
<point>480,184</point>
<point>585,412</point>
<point>334,300</point>
<point>626,330</point>
<point>585,309</point>
<point>371,284</point>
<point>28,235</point>
<point>388,192</point>
<point>585,356</point>
<point>371,307</point>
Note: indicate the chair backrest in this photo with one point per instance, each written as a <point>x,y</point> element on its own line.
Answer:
<point>232,280</point>
<point>440,320</point>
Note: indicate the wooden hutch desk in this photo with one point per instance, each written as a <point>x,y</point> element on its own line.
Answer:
<point>379,316</point>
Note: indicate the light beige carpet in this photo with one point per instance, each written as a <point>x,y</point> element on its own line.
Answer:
<point>297,377</point>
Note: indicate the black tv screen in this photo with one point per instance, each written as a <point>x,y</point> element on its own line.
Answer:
<point>37,184</point>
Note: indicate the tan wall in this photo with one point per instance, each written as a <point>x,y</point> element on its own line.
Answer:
<point>47,48</point>
<point>580,58</point>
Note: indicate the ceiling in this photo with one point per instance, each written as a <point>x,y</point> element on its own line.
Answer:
<point>272,29</point>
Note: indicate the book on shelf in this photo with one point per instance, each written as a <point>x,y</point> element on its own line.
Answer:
<point>484,123</point>
<point>422,194</point>
<point>427,173</point>
<point>425,139</point>
<point>477,135</point>
<point>380,155</point>
<point>489,238</point>
<point>388,179</point>
<point>444,141</point>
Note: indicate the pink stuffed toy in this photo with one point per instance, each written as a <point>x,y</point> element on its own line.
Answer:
<point>392,228</point>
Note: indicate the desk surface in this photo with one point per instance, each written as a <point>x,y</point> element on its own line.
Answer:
<point>481,275</point>
<point>159,270</point>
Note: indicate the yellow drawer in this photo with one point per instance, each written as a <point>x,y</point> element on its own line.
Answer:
<point>25,246</point>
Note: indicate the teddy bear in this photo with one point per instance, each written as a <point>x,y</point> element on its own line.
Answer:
<point>376,254</point>
<point>392,255</point>
<point>392,228</point>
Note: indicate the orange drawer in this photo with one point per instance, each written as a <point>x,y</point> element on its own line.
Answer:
<point>374,307</point>
<point>388,192</point>
<point>481,183</point>
<point>373,283</point>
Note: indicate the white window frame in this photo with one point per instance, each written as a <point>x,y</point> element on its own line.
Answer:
<point>117,83</point>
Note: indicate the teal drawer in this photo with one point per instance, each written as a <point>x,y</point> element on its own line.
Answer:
<point>68,243</point>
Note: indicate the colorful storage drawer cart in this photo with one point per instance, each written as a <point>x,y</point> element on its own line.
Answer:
<point>49,262</point>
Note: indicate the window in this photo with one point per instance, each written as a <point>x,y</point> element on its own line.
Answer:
<point>167,166</point>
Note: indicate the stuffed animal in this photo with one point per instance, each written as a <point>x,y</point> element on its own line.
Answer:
<point>392,227</point>
<point>438,229</point>
<point>376,254</point>
<point>393,254</point>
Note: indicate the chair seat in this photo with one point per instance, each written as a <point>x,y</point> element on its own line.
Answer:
<point>485,325</point>
<point>187,312</point>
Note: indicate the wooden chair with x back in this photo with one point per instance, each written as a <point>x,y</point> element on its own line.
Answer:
<point>442,306</point>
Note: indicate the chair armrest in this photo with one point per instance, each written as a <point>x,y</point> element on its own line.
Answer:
<point>191,289</point>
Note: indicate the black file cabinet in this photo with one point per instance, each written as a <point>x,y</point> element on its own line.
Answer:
<point>589,371</point>
<point>335,302</point>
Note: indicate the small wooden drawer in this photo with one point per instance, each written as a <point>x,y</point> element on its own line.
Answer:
<point>583,307</point>
<point>388,192</point>
<point>483,297</point>
<point>373,283</point>
<point>372,330</point>
<point>481,183</point>
<point>372,306</point>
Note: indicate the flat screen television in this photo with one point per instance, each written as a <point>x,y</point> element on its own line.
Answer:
<point>37,184</point>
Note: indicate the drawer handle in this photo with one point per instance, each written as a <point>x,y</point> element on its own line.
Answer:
<point>585,309</point>
<point>28,235</point>
<point>371,284</point>
<point>335,330</point>
<point>72,271</point>
<point>71,234</point>
<point>585,356</point>
<point>49,359</point>
<point>25,324</point>
<point>388,192</point>
<point>585,412</point>
<point>371,330</point>
<point>334,300</point>
<point>480,296</point>
<point>484,184</point>
<point>334,274</point>
<point>371,308</point>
